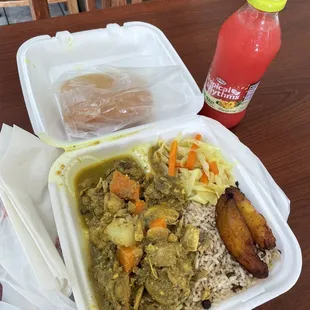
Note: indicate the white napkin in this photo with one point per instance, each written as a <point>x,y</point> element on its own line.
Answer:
<point>25,162</point>
<point>21,290</point>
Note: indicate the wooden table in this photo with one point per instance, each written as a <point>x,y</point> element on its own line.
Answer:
<point>277,125</point>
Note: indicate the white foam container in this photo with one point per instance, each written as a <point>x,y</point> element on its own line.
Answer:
<point>43,59</point>
<point>142,41</point>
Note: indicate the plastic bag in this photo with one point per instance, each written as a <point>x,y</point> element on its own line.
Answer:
<point>102,99</point>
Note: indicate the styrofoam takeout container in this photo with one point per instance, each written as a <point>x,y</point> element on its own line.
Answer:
<point>140,44</point>
<point>43,59</point>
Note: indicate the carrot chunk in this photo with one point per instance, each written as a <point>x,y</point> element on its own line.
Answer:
<point>213,167</point>
<point>125,188</point>
<point>159,222</point>
<point>129,257</point>
<point>173,158</point>
<point>204,178</point>
<point>140,204</point>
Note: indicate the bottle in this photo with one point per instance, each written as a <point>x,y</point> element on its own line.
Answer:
<point>248,41</point>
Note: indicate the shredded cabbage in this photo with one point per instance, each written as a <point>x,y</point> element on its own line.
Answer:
<point>189,179</point>
<point>205,154</point>
<point>203,198</point>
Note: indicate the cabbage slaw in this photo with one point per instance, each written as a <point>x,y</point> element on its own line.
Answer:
<point>205,179</point>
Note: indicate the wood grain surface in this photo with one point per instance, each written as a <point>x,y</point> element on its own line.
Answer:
<point>39,9</point>
<point>277,124</point>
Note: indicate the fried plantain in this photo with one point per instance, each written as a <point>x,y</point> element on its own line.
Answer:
<point>257,224</point>
<point>237,236</point>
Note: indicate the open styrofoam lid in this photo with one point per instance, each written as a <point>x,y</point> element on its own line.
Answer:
<point>43,59</point>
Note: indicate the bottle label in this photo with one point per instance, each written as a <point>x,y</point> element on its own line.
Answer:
<point>226,98</point>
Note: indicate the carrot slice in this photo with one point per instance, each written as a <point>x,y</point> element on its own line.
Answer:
<point>191,159</point>
<point>204,178</point>
<point>140,204</point>
<point>159,222</point>
<point>172,158</point>
<point>122,186</point>
<point>213,167</point>
<point>129,257</point>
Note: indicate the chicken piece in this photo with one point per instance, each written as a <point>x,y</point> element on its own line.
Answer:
<point>179,227</point>
<point>176,277</point>
<point>98,237</point>
<point>92,201</point>
<point>130,168</point>
<point>138,298</point>
<point>139,231</point>
<point>157,234</point>
<point>113,203</point>
<point>237,236</point>
<point>163,254</point>
<point>100,186</point>
<point>190,239</point>
<point>169,214</point>
<point>257,224</point>
<point>163,291</point>
<point>159,162</point>
<point>181,273</point>
<point>122,290</point>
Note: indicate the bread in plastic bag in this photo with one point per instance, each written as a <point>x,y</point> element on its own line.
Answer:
<point>102,99</point>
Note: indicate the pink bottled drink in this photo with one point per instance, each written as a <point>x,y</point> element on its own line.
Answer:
<point>248,41</point>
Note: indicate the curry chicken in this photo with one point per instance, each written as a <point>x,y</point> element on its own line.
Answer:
<point>142,253</point>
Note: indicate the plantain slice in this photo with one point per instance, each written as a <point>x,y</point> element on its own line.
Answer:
<point>237,236</point>
<point>257,224</point>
